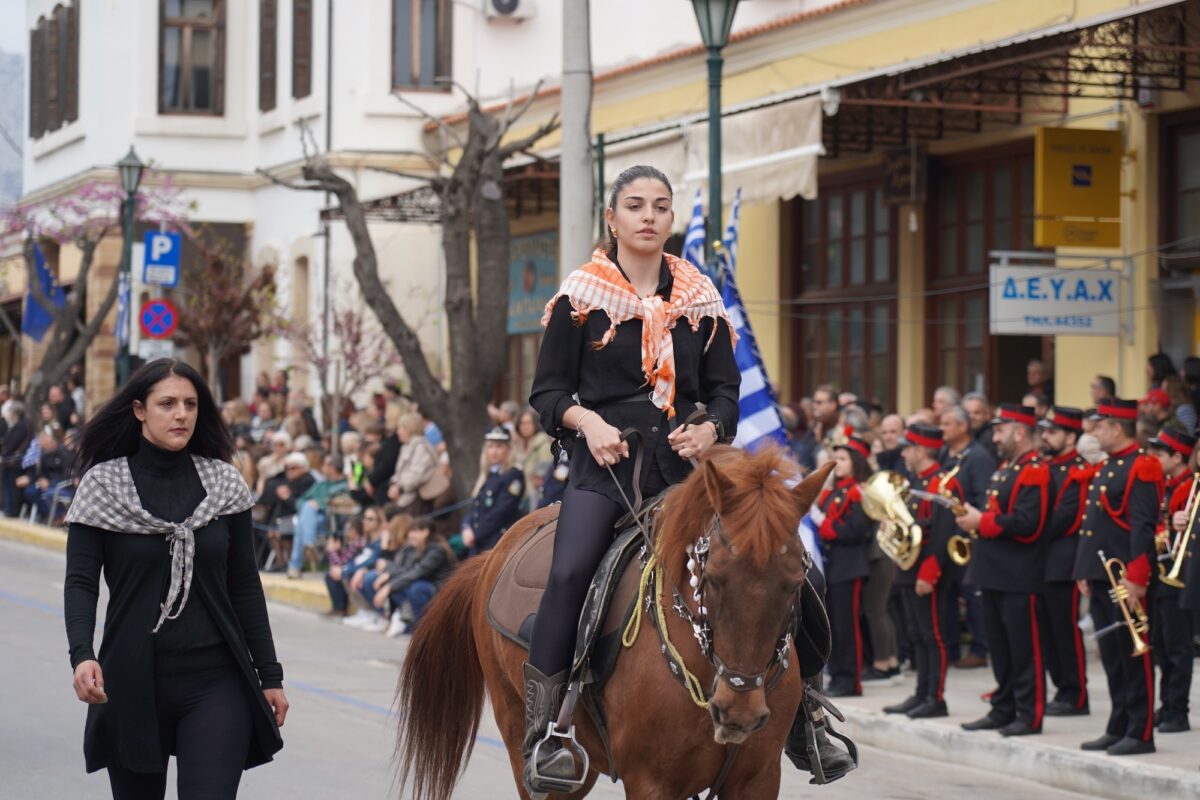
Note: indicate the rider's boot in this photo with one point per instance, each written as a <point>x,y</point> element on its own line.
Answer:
<point>555,766</point>
<point>834,762</point>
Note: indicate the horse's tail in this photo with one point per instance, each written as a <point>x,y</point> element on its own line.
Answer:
<point>441,690</point>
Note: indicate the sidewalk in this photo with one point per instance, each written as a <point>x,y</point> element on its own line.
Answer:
<point>308,593</point>
<point>1052,758</point>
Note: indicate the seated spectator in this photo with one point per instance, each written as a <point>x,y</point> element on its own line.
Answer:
<point>416,466</point>
<point>1182,414</point>
<point>414,576</point>
<point>363,581</point>
<point>374,522</point>
<point>271,464</point>
<point>498,495</point>
<point>264,423</point>
<point>312,508</point>
<point>12,451</point>
<point>279,497</point>
<point>338,553</point>
<point>554,482</point>
<point>243,458</point>
<point>48,477</point>
<point>63,406</point>
<point>531,450</point>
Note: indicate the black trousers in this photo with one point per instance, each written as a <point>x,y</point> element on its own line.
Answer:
<point>1171,631</point>
<point>1130,678</point>
<point>204,720</point>
<point>1062,643</point>
<point>844,603</point>
<point>1010,620</point>
<point>584,534</point>
<point>925,619</point>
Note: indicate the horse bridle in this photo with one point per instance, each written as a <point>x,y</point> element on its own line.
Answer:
<point>702,630</point>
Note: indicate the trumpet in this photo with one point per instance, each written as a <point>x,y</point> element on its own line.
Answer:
<point>1137,622</point>
<point>958,546</point>
<point>885,498</point>
<point>1179,551</point>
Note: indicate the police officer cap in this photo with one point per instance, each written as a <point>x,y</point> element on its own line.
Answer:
<point>498,433</point>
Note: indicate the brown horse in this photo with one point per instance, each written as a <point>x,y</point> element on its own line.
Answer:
<point>665,746</point>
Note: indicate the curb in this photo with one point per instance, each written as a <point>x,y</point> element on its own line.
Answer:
<point>1045,764</point>
<point>307,595</point>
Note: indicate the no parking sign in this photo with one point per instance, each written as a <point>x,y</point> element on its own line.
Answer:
<point>158,318</point>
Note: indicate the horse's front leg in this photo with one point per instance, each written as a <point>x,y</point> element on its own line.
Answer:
<point>757,784</point>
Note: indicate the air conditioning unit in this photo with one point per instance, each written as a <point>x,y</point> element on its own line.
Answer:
<point>509,9</point>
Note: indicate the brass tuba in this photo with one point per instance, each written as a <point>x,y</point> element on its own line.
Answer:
<point>884,499</point>
<point>1178,552</point>
<point>1137,622</point>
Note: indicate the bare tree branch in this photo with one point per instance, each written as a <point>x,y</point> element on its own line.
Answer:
<point>523,144</point>
<point>438,121</point>
<point>433,180</point>
<point>287,184</point>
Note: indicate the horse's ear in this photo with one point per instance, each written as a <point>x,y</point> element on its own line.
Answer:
<point>716,485</point>
<point>807,490</point>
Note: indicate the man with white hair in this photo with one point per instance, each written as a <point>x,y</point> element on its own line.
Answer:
<point>944,397</point>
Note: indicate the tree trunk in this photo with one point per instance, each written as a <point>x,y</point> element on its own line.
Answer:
<point>213,367</point>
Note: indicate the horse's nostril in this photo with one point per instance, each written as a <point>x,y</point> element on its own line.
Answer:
<point>715,711</point>
<point>762,721</point>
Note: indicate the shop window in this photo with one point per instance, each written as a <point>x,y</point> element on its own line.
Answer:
<point>420,44</point>
<point>191,57</point>
<point>54,71</point>
<point>843,311</point>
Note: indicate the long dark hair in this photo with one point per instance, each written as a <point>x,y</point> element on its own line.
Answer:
<point>1160,367</point>
<point>861,468</point>
<point>113,431</point>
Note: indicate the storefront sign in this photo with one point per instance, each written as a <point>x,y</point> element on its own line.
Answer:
<point>904,175</point>
<point>1077,188</point>
<point>532,280</point>
<point>1044,301</point>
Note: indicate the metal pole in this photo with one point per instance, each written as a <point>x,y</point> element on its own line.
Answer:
<point>715,205</point>
<point>575,195</point>
<point>600,184</point>
<point>123,358</point>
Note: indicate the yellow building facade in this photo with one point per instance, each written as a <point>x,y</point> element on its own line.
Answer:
<point>880,283</point>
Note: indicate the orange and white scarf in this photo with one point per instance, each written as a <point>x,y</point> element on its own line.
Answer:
<point>599,284</point>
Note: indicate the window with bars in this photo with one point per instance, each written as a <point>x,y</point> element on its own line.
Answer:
<point>845,287</point>
<point>302,48</point>
<point>191,57</point>
<point>268,52</point>
<point>420,44</point>
<point>978,206</point>
<point>54,70</point>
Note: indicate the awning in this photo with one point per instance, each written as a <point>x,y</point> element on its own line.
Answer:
<point>768,152</point>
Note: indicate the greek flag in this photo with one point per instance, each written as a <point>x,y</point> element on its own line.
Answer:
<point>693,240</point>
<point>759,423</point>
<point>730,243</point>
<point>122,331</point>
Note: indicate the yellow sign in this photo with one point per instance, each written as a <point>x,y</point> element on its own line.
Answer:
<point>1077,188</point>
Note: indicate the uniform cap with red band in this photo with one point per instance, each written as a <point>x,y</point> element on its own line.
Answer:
<point>851,441</point>
<point>1065,417</point>
<point>1011,412</point>
<point>924,436</point>
<point>1113,408</point>
<point>1175,441</point>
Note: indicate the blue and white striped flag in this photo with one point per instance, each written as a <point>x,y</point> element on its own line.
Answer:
<point>759,422</point>
<point>693,240</point>
<point>730,243</point>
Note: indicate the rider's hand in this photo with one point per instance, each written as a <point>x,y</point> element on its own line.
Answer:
<point>603,440</point>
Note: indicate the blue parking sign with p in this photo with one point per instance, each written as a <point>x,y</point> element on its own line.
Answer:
<point>162,259</point>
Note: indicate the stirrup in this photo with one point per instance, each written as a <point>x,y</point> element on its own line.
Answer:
<point>570,745</point>
<point>815,721</point>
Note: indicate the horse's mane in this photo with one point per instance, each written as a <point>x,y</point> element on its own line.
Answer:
<point>762,513</point>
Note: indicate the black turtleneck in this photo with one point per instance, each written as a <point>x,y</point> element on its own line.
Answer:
<point>170,489</point>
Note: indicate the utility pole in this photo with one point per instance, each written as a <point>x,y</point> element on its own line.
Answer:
<point>576,193</point>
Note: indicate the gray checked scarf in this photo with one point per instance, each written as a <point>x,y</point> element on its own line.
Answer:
<point>108,499</point>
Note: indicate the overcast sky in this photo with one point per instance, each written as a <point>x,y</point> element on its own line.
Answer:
<point>13,36</point>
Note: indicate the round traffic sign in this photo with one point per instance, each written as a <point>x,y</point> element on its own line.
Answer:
<point>158,318</point>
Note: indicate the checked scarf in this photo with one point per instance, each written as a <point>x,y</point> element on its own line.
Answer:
<point>599,284</point>
<point>108,499</point>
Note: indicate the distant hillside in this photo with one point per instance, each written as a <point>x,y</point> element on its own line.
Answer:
<point>12,119</point>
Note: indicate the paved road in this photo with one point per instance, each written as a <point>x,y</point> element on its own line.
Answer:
<point>340,683</point>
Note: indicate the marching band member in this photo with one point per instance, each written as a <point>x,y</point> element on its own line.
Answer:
<point>1171,625</point>
<point>1062,641</point>
<point>928,591</point>
<point>1120,521</point>
<point>844,533</point>
<point>1006,564</point>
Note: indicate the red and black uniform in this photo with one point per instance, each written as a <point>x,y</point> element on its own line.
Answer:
<point>1122,515</point>
<point>844,534</point>
<point>1171,627</point>
<point>1007,564</point>
<point>1062,641</point>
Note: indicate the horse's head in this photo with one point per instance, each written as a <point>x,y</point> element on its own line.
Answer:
<point>736,522</point>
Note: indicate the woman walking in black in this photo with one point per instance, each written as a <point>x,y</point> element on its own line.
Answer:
<point>635,338</point>
<point>187,664</point>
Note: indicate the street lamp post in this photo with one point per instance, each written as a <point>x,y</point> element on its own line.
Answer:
<point>130,167</point>
<point>715,18</point>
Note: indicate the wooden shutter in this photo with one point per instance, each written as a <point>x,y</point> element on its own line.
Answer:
<point>37,74</point>
<point>268,52</point>
<point>443,45</point>
<point>70,82</point>
<point>53,62</point>
<point>219,65</point>
<point>302,36</point>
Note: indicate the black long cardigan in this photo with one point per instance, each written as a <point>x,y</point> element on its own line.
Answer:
<point>124,731</point>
